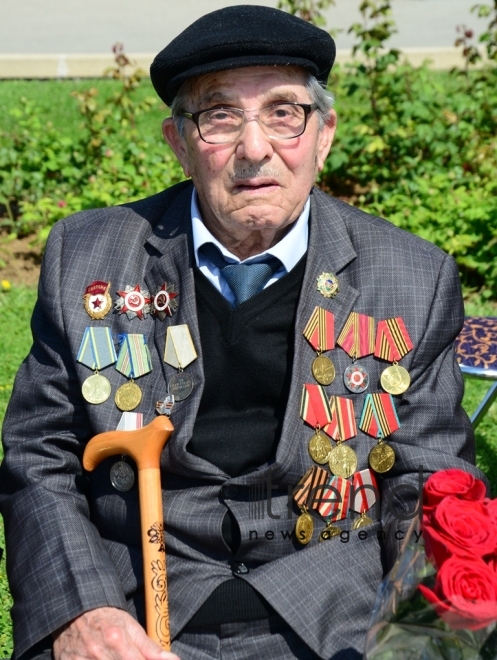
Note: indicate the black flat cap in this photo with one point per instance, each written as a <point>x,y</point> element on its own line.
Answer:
<point>239,36</point>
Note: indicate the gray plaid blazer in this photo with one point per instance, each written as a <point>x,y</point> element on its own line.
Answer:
<point>73,542</point>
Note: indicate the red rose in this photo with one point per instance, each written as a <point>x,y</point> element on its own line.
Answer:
<point>451,482</point>
<point>465,594</point>
<point>491,506</point>
<point>461,528</point>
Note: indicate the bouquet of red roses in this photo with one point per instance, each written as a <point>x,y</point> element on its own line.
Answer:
<point>440,598</point>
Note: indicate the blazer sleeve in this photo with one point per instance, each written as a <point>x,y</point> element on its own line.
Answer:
<point>57,564</point>
<point>435,432</point>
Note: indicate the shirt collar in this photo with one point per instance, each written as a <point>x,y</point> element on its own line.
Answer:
<point>289,250</point>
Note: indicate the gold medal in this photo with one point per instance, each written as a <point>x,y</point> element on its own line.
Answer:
<point>343,461</point>
<point>96,389</point>
<point>395,379</point>
<point>128,396</point>
<point>304,528</point>
<point>362,521</point>
<point>382,457</point>
<point>320,448</point>
<point>323,370</point>
<point>329,532</point>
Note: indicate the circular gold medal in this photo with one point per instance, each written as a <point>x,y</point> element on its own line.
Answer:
<point>128,396</point>
<point>96,389</point>
<point>343,461</point>
<point>304,528</point>
<point>329,532</point>
<point>362,521</point>
<point>395,379</point>
<point>323,370</point>
<point>320,448</point>
<point>381,458</point>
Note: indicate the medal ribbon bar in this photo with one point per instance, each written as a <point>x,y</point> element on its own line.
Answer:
<point>379,417</point>
<point>315,407</point>
<point>134,357</point>
<point>343,424</point>
<point>320,330</point>
<point>392,340</point>
<point>365,491</point>
<point>357,337</point>
<point>97,349</point>
<point>334,503</point>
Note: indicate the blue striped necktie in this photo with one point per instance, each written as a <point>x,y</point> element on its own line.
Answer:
<point>244,280</point>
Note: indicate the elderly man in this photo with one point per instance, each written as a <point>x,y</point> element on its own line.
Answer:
<point>271,317</point>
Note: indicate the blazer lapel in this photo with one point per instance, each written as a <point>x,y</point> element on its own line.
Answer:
<point>172,242</point>
<point>329,250</point>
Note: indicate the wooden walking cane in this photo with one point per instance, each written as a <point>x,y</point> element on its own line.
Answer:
<point>144,446</point>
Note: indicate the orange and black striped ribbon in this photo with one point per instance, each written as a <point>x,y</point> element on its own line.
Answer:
<point>357,335</point>
<point>308,492</point>
<point>343,425</point>
<point>315,407</point>
<point>379,417</point>
<point>392,340</point>
<point>320,330</point>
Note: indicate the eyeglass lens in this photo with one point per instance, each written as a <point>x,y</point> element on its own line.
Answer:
<point>280,120</point>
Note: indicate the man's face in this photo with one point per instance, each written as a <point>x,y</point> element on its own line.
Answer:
<point>256,184</point>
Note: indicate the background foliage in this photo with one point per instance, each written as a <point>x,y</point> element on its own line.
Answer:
<point>414,145</point>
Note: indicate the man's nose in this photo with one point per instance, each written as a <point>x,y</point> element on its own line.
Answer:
<point>253,144</point>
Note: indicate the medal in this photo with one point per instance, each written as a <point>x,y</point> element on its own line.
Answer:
<point>392,343</point>
<point>307,493</point>
<point>128,396</point>
<point>379,419</point>
<point>133,361</point>
<point>343,461</point>
<point>316,411</point>
<point>357,339</point>
<point>97,299</point>
<point>304,527</point>
<point>356,378</point>
<point>382,457</point>
<point>134,302</point>
<point>130,421</point>
<point>165,407</point>
<point>320,448</point>
<point>327,285</point>
<point>319,332</point>
<point>96,389</point>
<point>122,476</point>
<point>165,303</point>
<point>181,386</point>
<point>365,495</point>
<point>179,352</point>
<point>96,352</point>
<point>395,379</point>
<point>334,503</point>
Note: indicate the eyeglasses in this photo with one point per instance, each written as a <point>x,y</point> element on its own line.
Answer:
<point>279,121</point>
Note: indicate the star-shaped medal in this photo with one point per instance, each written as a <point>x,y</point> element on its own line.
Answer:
<point>164,301</point>
<point>134,301</point>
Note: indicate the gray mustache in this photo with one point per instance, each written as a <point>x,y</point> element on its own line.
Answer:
<point>254,171</point>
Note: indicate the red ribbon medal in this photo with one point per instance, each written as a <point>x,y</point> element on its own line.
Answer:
<point>315,407</point>
<point>365,495</point>
<point>357,336</point>
<point>335,499</point>
<point>343,425</point>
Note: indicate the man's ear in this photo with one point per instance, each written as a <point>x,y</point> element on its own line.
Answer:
<point>325,139</point>
<point>177,143</point>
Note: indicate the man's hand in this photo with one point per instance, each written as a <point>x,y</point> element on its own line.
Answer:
<point>106,633</point>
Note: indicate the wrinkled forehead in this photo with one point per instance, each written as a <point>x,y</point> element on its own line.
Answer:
<point>286,83</point>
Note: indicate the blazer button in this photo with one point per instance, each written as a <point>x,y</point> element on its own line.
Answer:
<point>230,492</point>
<point>239,568</point>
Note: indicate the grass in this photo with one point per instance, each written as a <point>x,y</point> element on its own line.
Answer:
<point>15,311</point>
<point>54,99</point>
